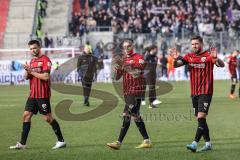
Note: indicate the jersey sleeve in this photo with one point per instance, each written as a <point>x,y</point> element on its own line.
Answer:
<point>229,60</point>
<point>46,65</point>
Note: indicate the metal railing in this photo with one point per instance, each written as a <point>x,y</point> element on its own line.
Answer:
<point>223,41</point>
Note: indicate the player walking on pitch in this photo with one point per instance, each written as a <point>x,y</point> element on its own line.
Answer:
<point>201,64</point>
<point>232,68</point>
<point>38,72</point>
<point>133,88</point>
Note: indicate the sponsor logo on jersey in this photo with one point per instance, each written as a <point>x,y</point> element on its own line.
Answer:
<point>197,65</point>
<point>38,69</point>
<point>40,64</point>
<point>141,61</point>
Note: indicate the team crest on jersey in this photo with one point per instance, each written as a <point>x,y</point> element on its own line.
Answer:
<point>203,59</point>
<point>40,64</point>
<point>197,65</point>
<point>49,64</point>
<point>130,106</point>
<point>141,61</point>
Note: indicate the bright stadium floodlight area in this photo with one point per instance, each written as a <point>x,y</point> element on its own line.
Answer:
<point>95,38</point>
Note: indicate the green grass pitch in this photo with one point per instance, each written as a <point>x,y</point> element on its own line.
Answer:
<point>171,127</point>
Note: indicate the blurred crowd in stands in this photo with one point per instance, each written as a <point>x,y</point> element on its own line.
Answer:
<point>46,41</point>
<point>157,16</point>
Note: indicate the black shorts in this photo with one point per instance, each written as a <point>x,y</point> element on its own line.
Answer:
<point>41,105</point>
<point>234,79</point>
<point>201,103</point>
<point>132,106</point>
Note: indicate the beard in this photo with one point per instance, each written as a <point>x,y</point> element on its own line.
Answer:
<point>197,51</point>
<point>35,54</point>
<point>128,52</point>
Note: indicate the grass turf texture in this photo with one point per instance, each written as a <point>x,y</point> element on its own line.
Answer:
<point>171,127</point>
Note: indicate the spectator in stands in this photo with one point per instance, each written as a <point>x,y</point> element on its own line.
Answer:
<point>43,6</point>
<point>91,24</point>
<point>184,11</point>
<point>46,41</point>
<point>82,4</point>
<point>219,27</point>
<point>232,31</point>
<point>164,47</point>
<point>39,35</point>
<point>39,21</point>
<point>165,17</point>
<point>75,23</point>
<point>82,29</point>
<point>51,44</point>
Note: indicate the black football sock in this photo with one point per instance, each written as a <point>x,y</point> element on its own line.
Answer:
<point>141,127</point>
<point>86,99</point>
<point>200,129</point>
<point>25,130</point>
<point>206,132</point>
<point>57,130</point>
<point>124,129</point>
<point>233,88</point>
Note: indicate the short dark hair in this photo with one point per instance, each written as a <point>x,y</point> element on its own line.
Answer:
<point>197,37</point>
<point>125,40</point>
<point>152,47</point>
<point>34,41</point>
<point>129,40</point>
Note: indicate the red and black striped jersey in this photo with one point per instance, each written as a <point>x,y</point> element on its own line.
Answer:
<point>133,85</point>
<point>201,72</point>
<point>232,64</point>
<point>40,88</point>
